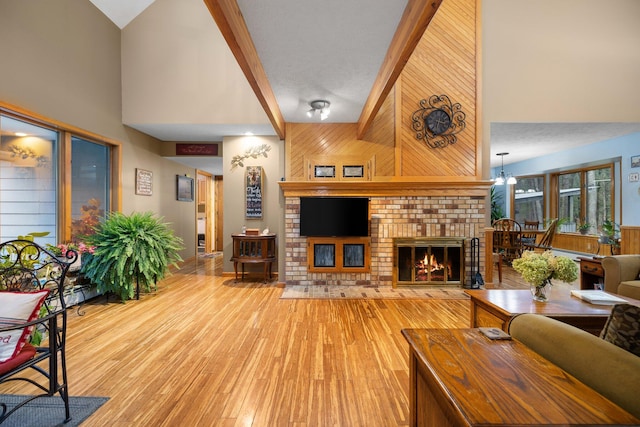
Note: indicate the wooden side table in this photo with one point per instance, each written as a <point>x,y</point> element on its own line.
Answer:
<point>254,249</point>
<point>591,273</point>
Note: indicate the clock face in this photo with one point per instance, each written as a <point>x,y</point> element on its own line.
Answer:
<point>438,121</point>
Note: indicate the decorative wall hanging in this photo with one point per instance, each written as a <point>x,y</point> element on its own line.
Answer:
<point>438,121</point>
<point>253,179</point>
<point>253,152</point>
<point>144,182</point>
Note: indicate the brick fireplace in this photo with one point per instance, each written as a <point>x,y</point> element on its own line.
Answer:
<point>447,210</point>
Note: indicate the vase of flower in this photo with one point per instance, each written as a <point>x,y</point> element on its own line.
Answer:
<point>538,269</point>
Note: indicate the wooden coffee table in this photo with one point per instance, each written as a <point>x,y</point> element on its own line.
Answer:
<point>458,377</point>
<point>496,307</point>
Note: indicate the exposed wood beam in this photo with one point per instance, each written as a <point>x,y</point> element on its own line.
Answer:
<point>229,19</point>
<point>414,22</point>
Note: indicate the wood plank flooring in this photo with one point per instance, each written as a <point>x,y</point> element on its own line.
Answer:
<point>205,351</point>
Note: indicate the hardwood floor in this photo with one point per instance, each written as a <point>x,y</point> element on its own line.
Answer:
<point>205,351</point>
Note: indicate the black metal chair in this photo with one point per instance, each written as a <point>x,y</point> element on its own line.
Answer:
<point>33,279</point>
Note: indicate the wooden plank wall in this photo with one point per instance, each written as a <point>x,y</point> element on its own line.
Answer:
<point>444,62</point>
<point>629,239</point>
<point>316,140</point>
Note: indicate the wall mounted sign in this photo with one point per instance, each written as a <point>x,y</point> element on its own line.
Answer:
<point>253,179</point>
<point>183,149</point>
<point>438,121</point>
<point>144,182</point>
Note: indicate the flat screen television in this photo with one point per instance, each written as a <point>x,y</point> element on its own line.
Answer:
<point>334,216</point>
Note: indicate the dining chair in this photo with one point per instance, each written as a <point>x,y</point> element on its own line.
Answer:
<point>507,238</point>
<point>546,241</point>
<point>529,234</point>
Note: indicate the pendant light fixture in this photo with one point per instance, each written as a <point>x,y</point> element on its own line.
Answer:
<point>501,179</point>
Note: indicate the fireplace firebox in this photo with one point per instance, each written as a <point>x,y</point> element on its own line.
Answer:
<point>428,261</point>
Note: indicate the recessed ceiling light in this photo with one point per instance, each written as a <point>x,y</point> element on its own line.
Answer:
<point>21,134</point>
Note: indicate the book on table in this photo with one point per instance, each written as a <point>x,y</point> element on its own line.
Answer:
<point>597,297</point>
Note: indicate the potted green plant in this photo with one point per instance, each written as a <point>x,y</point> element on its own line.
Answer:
<point>584,227</point>
<point>130,251</point>
<point>610,235</point>
<point>496,208</point>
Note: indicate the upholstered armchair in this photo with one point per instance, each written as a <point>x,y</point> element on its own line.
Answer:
<point>622,275</point>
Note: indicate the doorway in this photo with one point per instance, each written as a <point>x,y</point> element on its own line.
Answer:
<point>204,220</point>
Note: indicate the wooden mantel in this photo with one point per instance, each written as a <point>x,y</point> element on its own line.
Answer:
<point>386,188</point>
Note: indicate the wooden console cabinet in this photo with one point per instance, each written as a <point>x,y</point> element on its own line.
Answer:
<point>254,249</point>
<point>460,378</point>
<point>339,254</point>
<point>591,273</point>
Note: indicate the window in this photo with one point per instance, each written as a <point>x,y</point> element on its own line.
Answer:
<point>28,170</point>
<point>42,189</point>
<point>585,196</point>
<point>529,199</point>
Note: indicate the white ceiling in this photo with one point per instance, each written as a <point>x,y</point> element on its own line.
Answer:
<point>333,49</point>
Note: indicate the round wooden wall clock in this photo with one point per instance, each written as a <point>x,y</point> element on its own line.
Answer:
<point>438,121</point>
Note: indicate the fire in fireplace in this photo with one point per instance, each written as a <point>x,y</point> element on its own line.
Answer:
<point>428,261</point>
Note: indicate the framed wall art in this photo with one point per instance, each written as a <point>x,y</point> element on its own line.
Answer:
<point>144,182</point>
<point>353,171</point>
<point>324,171</point>
<point>184,187</point>
<point>635,161</point>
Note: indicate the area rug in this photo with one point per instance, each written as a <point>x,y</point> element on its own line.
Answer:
<point>370,292</point>
<point>49,411</point>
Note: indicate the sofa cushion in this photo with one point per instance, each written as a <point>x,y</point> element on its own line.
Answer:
<point>623,328</point>
<point>629,288</point>
<point>17,308</point>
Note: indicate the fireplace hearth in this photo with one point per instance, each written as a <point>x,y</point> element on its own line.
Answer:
<point>428,261</point>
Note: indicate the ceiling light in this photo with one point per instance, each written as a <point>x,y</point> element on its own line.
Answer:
<point>20,134</point>
<point>502,177</point>
<point>321,107</point>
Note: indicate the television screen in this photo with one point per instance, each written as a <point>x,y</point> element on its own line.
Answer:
<point>334,216</point>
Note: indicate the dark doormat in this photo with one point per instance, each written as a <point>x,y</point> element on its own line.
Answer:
<point>49,411</point>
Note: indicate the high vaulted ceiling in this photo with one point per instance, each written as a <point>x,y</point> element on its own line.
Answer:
<point>349,53</point>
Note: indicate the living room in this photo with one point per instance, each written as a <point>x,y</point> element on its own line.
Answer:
<point>514,90</point>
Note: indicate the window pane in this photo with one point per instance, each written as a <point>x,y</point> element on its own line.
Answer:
<point>598,197</point>
<point>90,178</point>
<point>28,173</point>
<point>569,200</point>
<point>529,199</point>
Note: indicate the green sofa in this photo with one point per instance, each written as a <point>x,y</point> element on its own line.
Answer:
<point>610,370</point>
<point>621,275</point>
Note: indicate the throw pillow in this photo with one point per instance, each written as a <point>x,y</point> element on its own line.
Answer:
<point>623,327</point>
<point>17,308</point>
